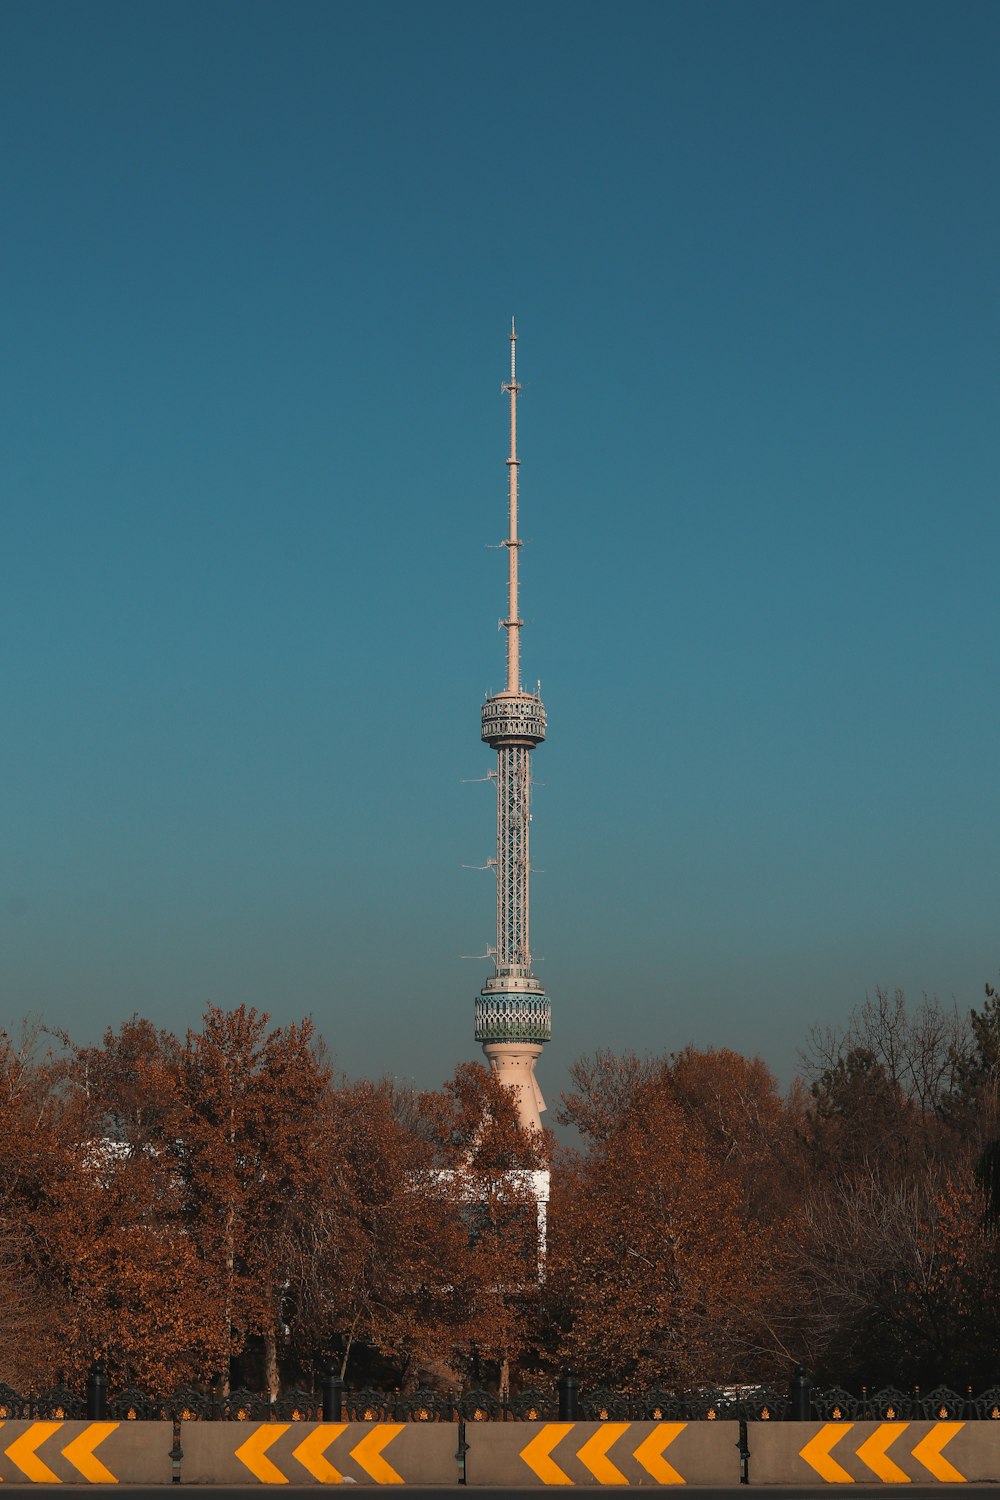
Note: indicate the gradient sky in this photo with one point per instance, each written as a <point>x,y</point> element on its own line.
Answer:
<point>259,263</point>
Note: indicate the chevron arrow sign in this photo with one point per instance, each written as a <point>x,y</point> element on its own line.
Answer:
<point>300,1453</point>
<point>891,1452</point>
<point>311,1453</point>
<point>873,1452</point>
<point>60,1452</point>
<point>591,1446</point>
<point>515,1454</point>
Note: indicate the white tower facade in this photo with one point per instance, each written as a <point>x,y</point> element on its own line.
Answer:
<point>513,1016</point>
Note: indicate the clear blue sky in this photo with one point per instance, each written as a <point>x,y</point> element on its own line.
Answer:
<point>259,262</point>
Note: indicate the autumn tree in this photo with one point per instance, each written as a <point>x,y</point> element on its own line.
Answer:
<point>657,1272</point>
<point>422,1235</point>
<point>98,1204</point>
<point>118,1245</point>
<point>888,1164</point>
<point>131,1083</point>
<point>493,1168</point>
<point>885,1083</point>
<point>376,1263</point>
<point>953,1303</point>
<point>746,1125</point>
<point>248,1151</point>
<point>33,1297</point>
<point>973,1105</point>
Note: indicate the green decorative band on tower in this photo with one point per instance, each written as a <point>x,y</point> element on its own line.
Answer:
<point>513,1018</point>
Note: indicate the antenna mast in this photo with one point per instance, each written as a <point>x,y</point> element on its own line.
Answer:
<point>511,541</point>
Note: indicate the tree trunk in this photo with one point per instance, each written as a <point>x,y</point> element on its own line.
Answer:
<point>271,1364</point>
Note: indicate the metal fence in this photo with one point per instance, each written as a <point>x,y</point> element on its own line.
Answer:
<point>564,1400</point>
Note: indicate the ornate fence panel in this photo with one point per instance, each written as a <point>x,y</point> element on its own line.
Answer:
<point>658,1405</point>
<point>985,1406</point>
<point>834,1405</point>
<point>535,1404</point>
<point>368,1406</point>
<point>943,1405</point>
<point>480,1406</point>
<point>13,1407</point>
<point>191,1405</point>
<point>604,1406</point>
<point>298,1405</point>
<point>131,1405</point>
<point>242,1405</point>
<point>59,1404</point>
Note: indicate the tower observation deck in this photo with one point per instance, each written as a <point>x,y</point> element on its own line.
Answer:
<point>513,1016</point>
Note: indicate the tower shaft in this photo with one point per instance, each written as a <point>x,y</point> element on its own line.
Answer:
<point>513,817</point>
<point>513,1017</point>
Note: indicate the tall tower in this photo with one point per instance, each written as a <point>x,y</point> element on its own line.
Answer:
<point>513,1017</point>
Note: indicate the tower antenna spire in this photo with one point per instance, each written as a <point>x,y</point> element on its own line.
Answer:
<point>513,1015</point>
<point>512,542</point>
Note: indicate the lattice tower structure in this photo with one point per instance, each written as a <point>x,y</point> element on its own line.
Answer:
<point>513,1015</point>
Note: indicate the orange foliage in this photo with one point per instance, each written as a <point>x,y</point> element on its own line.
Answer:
<point>190,1209</point>
<point>654,1267</point>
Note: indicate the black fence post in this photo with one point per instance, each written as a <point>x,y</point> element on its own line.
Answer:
<point>97,1393</point>
<point>799,1396</point>
<point>744,1446</point>
<point>176,1454</point>
<point>333,1395</point>
<point>568,1387</point>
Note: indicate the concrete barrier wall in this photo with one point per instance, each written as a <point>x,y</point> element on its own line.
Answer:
<point>501,1454</point>
<point>515,1454</point>
<point>319,1453</point>
<point>86,1452</point>
<point>247,1453</point>
<point>817,1453</point>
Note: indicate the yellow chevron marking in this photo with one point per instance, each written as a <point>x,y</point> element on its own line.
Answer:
<point>872,1452</point>
<point>928,1452</point>
<point>80,1453</point>
<point>594,1453</point>
<point>537,1455</point>
<point>817,1452</point>
<point>368,1453</point>
<point>253,1453</point>
<point>22,1452</point>
<point>311,1452</point>
<point>650,1452</point>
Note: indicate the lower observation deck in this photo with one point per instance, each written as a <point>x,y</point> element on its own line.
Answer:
<point>513,719</point>
<point>513,1015</point>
